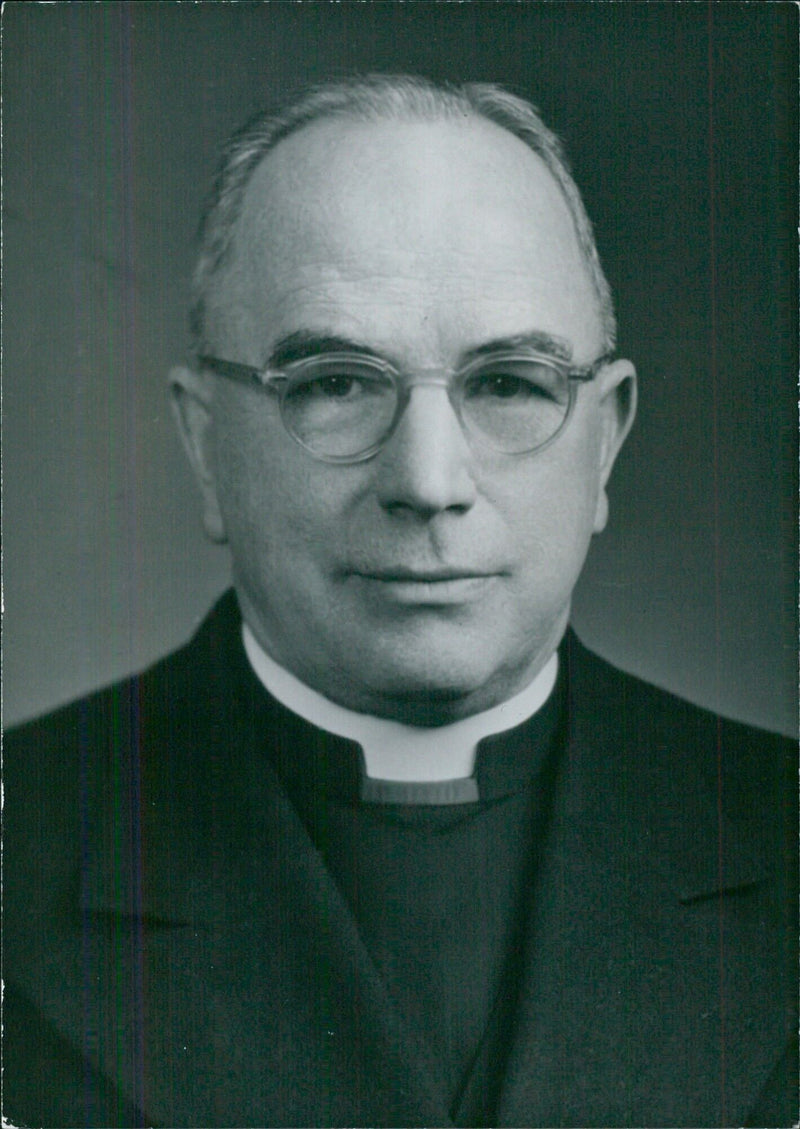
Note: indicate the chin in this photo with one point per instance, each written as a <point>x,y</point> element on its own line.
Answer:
<point>429,707</point>
<point>434,692</point>
<point>433,676</point>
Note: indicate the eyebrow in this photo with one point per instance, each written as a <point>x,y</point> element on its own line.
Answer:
<point>537,341</point>
<point>306,343</point>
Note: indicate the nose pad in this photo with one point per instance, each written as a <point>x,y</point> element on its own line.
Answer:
<point>427,464</point>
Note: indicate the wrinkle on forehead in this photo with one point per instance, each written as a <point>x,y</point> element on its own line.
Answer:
<point>343,213</point>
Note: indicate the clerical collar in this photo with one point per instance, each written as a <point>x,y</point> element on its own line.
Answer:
<point>404,763</point>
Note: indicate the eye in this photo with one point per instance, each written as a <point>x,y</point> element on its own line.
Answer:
<point>502,385</point>
<point>336,385</point>
<point>521,383</point>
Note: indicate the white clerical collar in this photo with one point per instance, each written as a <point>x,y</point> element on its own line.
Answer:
<point>393,751</point>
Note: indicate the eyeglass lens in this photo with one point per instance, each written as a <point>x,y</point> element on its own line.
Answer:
<point>340,407</point>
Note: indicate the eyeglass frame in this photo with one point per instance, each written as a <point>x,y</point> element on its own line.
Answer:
<point>278,380</point>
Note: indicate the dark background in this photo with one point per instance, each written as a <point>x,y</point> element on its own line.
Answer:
<point>680,120</point>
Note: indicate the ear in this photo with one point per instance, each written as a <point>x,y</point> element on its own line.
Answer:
<point>617,406</point>
<point>191,396</point>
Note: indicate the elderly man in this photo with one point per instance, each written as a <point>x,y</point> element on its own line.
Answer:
<point>384,845</point>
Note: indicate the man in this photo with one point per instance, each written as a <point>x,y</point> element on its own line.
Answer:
<point>383,845</point>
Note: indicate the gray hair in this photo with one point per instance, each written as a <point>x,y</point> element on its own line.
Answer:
<point>378,98</point>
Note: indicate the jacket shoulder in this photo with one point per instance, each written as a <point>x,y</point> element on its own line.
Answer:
<point>61,770</point>
<point>631,705</point>
<point>174,685</point>
<point>683,766</point>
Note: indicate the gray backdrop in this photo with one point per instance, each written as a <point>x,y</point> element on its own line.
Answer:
<point>680,120</point>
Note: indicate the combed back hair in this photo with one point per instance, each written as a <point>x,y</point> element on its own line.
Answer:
<point>373,98</point>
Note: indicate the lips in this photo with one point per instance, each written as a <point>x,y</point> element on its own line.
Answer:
<point>415,587</point>
<point>422,576</point>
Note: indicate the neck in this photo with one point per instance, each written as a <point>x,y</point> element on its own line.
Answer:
<point>392,749</point>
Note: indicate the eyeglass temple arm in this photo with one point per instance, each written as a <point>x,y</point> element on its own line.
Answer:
<point>244,374</point>
<point>589,372</point>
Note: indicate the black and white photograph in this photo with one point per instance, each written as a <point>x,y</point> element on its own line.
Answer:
<point>400,644</point>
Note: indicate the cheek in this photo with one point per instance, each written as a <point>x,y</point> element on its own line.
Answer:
<point>552,514</point>
<point>249,478</point>
<point>555,533</point>
<point>275,500</point>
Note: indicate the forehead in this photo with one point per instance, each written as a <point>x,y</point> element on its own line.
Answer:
<point>429,230</point>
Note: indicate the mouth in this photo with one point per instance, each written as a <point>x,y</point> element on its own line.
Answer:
<point>426,586</point>
<point>421,576</point>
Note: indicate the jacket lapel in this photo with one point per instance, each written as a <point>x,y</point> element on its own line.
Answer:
<point>645,954</point>
<point>247,990</point>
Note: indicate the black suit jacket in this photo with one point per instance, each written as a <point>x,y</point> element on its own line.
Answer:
<point>176,953</point>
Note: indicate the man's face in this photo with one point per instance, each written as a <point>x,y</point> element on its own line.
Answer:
<point>434,579</point>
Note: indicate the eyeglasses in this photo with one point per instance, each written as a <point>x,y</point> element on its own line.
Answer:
<point>344,407</point>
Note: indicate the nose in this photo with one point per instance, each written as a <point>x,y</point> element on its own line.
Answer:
<point>426,467</point>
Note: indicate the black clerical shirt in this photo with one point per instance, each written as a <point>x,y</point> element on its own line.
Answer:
<point>437,889</point>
